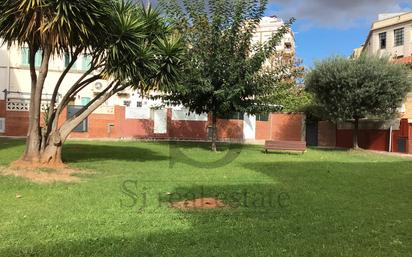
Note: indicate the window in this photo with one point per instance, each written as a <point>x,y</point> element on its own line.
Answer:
<point>127,103</point>
<point>67,59</point>
<point>139,104</point>
<point>25,57</point>
<point>288,45</point>
<point>233,116</point>
<point>382,40</point>
<point>86,62</point>
<point>399,37</point>
<point>262,117</point>
<point>85,101</point>
<point>71,112</point>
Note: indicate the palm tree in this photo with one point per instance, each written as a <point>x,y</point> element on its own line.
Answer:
<point>130,45</point>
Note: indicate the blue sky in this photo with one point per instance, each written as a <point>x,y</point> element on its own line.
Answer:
<point>332,27</point>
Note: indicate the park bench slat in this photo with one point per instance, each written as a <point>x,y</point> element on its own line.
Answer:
<point>298,146</point>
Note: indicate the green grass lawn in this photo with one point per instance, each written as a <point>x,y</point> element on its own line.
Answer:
<point>322,203</point>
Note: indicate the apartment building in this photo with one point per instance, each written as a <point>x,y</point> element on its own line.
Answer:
<point>391,35</point>
<point>286,48</point>
<point>15,85</point>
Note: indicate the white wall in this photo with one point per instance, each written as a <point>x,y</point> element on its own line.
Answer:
<point>20,77</point>
<point>373,45</point>
<point>249,127</point>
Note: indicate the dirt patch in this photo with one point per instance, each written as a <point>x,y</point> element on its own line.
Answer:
<point>44,175</point>
<point>24,165</point>
<point>200,203</point>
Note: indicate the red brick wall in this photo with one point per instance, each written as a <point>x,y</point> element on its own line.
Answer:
<point>368,139</point>
<point>131,128</point>
<point>97,127</point>
<point>281,127</point>
<point>326,134</point>
<point>287,127</point>
<point>262,130</point>
<point>229,129</point>
<point>2,108</point>
<point>17,123</point>
<point>188,130</point>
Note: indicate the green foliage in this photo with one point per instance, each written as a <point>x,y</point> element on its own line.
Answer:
<point>291,97</point>
<point>128,42</point>
<point>347,89</point>
<point>222,65</point>
<point>140,48</point>
<point>57,23</point>
<point>282,91</point>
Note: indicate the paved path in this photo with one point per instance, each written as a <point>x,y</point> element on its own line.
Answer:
<point>403,155</point>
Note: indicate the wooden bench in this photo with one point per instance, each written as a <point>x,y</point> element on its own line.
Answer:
<point>290,146</point>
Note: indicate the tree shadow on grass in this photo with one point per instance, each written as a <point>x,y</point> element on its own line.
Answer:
<point>6,143</point>
<point>222,146</point>
<point>292,230</point>
<point>220,232</point>
<point>73,153</point>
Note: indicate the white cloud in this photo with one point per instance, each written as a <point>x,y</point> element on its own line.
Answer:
<point>336,13</point>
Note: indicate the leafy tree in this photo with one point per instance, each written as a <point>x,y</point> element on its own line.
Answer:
<point>223,66</point>
<point>354,89</point>
<point>130,45</point>
<point>283,90</point>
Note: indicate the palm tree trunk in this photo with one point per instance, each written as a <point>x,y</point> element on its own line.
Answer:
<point>52,154</point>
<point>34,137</point>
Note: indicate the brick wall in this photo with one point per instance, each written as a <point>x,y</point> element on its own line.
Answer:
<point>17,123</point>
<point>279,127</point>
<point>368,139</point>
<point>326,134</point>
<point>187,130</point>
<point>229,129</point>
<point>262,130</point>
<point>286,126</point>
<point>131,128</point>
<point>2,108</point>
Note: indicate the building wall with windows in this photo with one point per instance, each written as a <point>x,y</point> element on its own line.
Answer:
<point>391,35</point>
<point>127,114</point>
<point>15,78</point>
<point>286,47</point>
<point>15,74</point>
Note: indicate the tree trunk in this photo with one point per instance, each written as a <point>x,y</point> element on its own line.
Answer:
<point>33,142</point>
<point>356,134</point>
<point>214,132</point>
<point>52,154</point>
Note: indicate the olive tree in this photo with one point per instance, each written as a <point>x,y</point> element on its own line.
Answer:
<point>354,89</point>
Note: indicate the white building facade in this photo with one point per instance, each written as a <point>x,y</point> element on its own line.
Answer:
<point>15,82</point>
<point>390,35</point>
